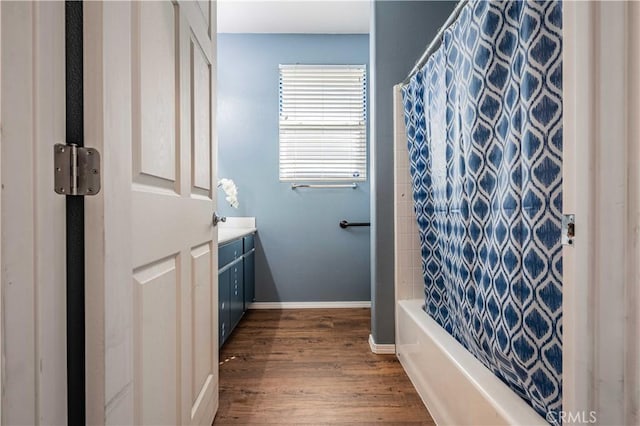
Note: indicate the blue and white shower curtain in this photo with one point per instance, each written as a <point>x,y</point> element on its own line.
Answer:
<point>484,126</point>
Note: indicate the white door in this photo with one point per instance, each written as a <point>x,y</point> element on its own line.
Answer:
<point>34,382</point>
<point>152,290</point>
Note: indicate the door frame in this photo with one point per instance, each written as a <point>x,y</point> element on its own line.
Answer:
<point>601,185</point>
<point>1,284</point>
<point>33,284</point>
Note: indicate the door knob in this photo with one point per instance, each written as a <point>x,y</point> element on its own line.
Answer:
<point>217,219</point>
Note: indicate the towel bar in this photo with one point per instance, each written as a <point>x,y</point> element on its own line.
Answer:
<point>344,224</point>
<point>307,185</point>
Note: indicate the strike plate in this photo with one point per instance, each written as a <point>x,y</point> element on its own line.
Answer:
<point>568,229</point>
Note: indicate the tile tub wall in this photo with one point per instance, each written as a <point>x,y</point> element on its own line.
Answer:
<point>408,259</point>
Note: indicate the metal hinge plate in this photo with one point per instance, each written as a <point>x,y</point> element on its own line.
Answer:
<point>76,170</point>
<point>568,229</point>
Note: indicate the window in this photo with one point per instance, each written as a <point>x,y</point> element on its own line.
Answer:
<point>323,133</point>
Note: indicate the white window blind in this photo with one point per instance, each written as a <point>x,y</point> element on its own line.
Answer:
<point>323,134</point>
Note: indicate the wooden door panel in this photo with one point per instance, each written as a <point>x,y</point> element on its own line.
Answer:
<point>159,220</point>
<point>203,348</point>
<point>205,406</point>
<point>155,100</point>
<point>205,11</point>
<point>156,342</point>
<point>201,117</point>
<point>202,317</point>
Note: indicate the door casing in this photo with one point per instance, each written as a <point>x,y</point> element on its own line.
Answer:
<point>33,216</point>
<point>601,186</point>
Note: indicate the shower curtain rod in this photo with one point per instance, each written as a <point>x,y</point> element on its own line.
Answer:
<point>437,40</point>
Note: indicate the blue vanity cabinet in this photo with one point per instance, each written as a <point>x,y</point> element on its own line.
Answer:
<point>223,306</point>
<point>236,294</point>
<point>229,257</point>
<point>249,271</point>
<point>236,283</point>
<point>229,252</point>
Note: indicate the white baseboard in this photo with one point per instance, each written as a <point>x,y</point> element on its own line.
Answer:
<point>381,349</point>
<point>309,305</point>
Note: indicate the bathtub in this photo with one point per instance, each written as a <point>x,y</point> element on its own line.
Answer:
<point>456,388</point>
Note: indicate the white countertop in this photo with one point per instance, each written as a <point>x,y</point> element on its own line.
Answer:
<point>236,227</point>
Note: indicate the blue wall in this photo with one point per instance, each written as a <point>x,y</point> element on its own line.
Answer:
<point>302,254</point>
<point>400,32</point>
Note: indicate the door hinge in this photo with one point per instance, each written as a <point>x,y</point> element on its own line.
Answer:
<point>568,229</point>
<point>76,170</point>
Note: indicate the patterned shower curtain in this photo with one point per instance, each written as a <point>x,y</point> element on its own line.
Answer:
<point>484,123</point>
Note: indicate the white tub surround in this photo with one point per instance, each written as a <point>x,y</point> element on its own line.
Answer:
<point>235,227</point>
<point>409,283</point>
<point>456,388</point>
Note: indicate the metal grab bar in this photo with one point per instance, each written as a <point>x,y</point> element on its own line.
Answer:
<point>307,185</point>
<point>344,224</point>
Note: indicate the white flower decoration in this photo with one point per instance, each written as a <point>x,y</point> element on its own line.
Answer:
<point>231,191</point>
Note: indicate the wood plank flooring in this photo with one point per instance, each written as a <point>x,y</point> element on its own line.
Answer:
<point>312,366</point>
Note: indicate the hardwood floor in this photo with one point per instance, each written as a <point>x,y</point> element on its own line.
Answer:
<point>312,366</point>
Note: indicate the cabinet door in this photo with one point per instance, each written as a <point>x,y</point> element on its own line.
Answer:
<point>249,280</point>
<point>229,252</point>
<point>224,325</point>
<point>237,294</point>
<point>248,243</point>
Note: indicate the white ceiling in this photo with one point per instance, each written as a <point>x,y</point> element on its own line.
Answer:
<point>294,16</point>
